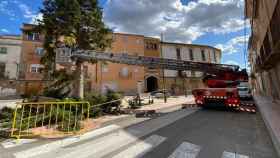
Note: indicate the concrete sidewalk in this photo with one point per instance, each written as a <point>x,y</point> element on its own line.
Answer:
<point>271,115</point>
<point>9,103</point>
<point>171,102</point>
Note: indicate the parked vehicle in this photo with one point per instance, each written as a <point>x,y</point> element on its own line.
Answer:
<point>160,94</point>
<point>244,92</point>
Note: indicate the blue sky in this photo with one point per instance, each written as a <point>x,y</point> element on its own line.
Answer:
<point>217,23</point>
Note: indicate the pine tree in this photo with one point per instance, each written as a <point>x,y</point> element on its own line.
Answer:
<point>79,22</point>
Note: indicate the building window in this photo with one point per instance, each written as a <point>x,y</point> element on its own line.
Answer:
<point>181,73</point>
<point>155,46</point>
<point>3,50</point>
<point>33,36</point>
<point>192,74</point>
<point>39,51</point>
<point>151,46</point>
<point>262,54</point>
<point>266,45</point>
<point>124,72</point>
<point>105,68</point>
<point>136,70</point>
<point>191,54</point>
<point>2,70</point>
<point>86,71</point>
<point>256,6</point>
<point>114,37</point>
<point>178,53</point>
<point>203,57</point>
<point>139,41</point>
<point>125,39</point>
<point>36,68</point>
<point>215,57</point>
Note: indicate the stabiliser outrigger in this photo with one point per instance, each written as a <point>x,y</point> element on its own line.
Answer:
<point>221,80</point>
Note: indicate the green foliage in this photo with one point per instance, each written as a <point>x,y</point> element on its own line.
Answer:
<point>135,103</point>
<point>78,21</point>
<point>6,114</point>
<point>60,87</point>
<point>97,99</point>
<point>62,117</point>
<point>80,24</point>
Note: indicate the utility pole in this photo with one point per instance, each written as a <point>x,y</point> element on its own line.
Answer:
<point>82,78</point>
<point>163,76</point>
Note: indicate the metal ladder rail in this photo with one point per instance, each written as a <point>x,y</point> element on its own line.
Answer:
<point>65,56</point>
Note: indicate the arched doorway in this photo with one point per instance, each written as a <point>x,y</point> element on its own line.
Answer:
<point>152,84</point>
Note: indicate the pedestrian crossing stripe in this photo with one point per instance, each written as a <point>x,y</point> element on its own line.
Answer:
<point>119,139</point>
<point>48,150</point>
<point>141,148</point>
<point>10,143</point>
<point>64,142</point>
<point>233,155</point>
<point>186,150</point>
<point>99,147</point>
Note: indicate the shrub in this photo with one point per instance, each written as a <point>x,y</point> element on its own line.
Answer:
<point>6,114</point>
<point>112,107</point>
<point>96,98</point>
<point>134,103</point>
<point>60,87</point>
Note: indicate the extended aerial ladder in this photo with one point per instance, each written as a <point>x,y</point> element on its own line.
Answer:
<point>221,79</point>
<point>66,55</point>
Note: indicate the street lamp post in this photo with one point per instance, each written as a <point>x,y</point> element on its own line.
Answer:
<point>163,76</point>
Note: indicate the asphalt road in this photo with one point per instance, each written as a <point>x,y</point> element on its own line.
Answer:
<point>215,132</point>
<point>182,134</point>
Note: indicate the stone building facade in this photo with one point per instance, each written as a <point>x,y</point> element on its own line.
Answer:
<point>105,76</point>
<point>264,47</point>
<point>32,51</point>
<point>183,82</point>
<point>120,77</point>
<point>10,51</point>
<point>31,78</point>
<point>152,77</point>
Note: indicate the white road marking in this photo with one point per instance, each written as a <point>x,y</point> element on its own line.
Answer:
<point>186,150</point>
<point>64,142</point>
<point>233,155</point>
<point>100,147</point>
<point>104,145</point>
<point>10,143</point>
<point>141,148</point>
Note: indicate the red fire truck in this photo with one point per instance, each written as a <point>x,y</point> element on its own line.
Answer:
<point>222,89</point>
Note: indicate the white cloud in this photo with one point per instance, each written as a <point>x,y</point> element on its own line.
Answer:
<point>234,45</point>
<point>4,30</point>
<point>35,19</point>
<point>27,13</point>
<point>5,10</point>
<point>178,22</point>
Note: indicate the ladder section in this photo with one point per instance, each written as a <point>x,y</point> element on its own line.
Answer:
<point>66,55</point>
